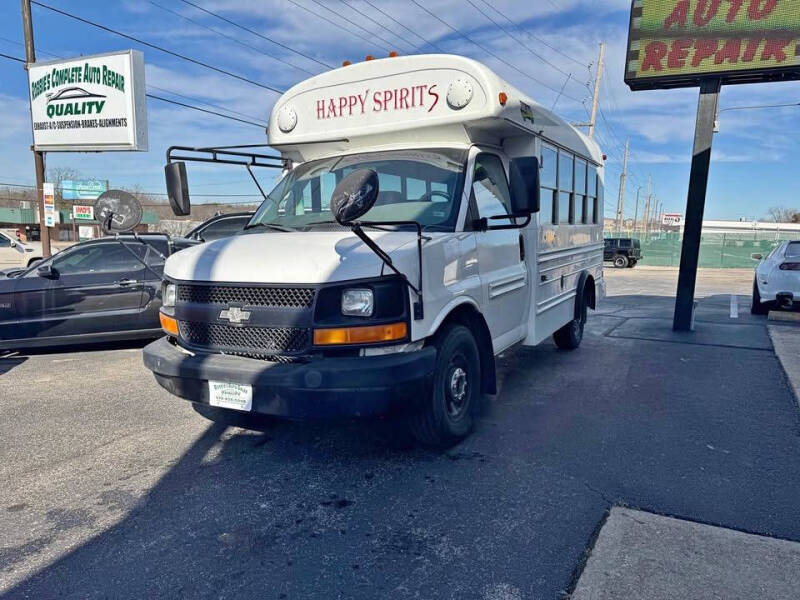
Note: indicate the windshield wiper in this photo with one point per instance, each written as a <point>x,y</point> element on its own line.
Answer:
<point>273,226</point>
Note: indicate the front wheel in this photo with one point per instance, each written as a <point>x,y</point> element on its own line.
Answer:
<point>620,261</point>
<point>632,263</point>
<point>448,415</point>
<point>570,336</point>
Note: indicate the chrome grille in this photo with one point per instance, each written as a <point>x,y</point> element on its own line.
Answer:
<point>282,297</point>
<point>246,341</point>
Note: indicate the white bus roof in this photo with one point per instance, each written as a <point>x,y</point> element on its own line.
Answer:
<point>424,100</point>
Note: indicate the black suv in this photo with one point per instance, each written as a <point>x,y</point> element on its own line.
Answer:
<point>623,252</point>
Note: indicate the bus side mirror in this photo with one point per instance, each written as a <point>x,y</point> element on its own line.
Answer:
<point>354,196</point>
<point>178,188</point>
<point>525,196</point>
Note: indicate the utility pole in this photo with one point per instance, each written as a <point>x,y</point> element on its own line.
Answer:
<point>622,178</point>
<point>636,213</point>
<point>646,219</point>
<point>596,98</point>
<point>38,157</point>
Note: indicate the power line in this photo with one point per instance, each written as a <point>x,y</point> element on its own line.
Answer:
<point>516,39</point>
<point>228,37</point>
<point>363,14</point>
<point>155,97</point>
<point>334,23</point>
<point>210,112</point>
<point>489,52</point>
<point>150,86</point>
<point>262,36</point>
<point>411,31</point>
<point>760,106</point>
<point>538,39</point>
<point>159,48</point>
<point>12,58</point>
<point>367,31</point>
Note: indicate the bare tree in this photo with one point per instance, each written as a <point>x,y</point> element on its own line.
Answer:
<point>57,175</point>
<point>781,214</point>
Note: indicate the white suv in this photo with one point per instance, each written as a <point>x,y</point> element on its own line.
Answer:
<point>777,280</point>
<point>16,253</point>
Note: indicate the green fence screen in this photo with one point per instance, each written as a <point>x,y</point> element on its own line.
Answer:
<point>720,250</point>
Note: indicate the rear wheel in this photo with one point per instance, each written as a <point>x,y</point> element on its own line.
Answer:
<point>570,336</point>
<point>620,261</point>
<point>758,307</point>
<point>448,415</point>
<point>233,418</point>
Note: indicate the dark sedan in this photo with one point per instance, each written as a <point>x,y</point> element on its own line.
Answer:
<point>107,289</point>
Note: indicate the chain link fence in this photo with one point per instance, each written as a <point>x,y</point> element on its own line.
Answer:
<point>717,250</point>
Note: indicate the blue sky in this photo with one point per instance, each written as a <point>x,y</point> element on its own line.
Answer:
<point>754,162</point>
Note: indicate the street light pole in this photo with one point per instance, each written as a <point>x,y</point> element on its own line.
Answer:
<point>38,157</point>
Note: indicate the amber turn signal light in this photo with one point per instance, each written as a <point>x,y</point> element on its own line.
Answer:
<point>503,98</point>
<point>360,335</point>
<point>168,324</point>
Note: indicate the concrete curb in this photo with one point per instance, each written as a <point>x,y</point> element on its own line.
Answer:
<point>642,555</point>
<point>786,341</point>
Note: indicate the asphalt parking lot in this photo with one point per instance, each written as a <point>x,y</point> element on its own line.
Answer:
<point>111,488</point>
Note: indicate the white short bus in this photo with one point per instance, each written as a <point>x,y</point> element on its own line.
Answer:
<point>429,217</point>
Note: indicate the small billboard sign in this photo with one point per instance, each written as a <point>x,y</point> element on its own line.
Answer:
<point>672,220</point>
<point>88,189</point>
<point>83,213</point>
<point>50,214</point>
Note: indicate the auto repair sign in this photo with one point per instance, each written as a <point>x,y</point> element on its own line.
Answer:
<point>676,43</point>
<point>90,104</point>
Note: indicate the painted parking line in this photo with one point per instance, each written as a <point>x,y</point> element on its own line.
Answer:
<point>734,307</point>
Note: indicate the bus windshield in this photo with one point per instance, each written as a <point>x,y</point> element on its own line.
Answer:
<point>415,185</point>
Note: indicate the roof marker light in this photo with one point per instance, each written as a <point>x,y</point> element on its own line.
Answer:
<point>459,94</point>
<point>503,97</point>
<point>346,63</point>
<point>369,57</point>
<point>393,54</point>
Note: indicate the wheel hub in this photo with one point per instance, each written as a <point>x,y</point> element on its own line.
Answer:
<point>458,384</point>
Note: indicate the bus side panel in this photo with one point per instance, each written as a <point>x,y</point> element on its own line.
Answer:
<point>563,253</point>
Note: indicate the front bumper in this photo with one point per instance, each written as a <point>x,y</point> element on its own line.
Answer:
<point>322,388</point>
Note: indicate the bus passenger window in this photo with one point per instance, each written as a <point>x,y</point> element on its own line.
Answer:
<point>564,216</point>
<point>549,184</point>
<point>546,212</point>
<point>580,191</point>
<point>490,187</point>
<point>549,174</point>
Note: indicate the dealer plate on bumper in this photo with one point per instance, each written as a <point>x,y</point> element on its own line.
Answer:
<point>230,395</point>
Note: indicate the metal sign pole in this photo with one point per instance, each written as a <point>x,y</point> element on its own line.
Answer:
<point>695,204</point>
<point>38,157</point>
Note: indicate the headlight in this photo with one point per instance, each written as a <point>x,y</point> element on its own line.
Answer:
<point>358,303</point>
<point>168,298</point>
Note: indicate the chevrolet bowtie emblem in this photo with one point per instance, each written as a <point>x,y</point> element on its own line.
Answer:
<point>235,315</point>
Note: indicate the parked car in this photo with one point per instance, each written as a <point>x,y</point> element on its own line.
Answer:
<point>100,290</point>
<point>623,252</point>
<point>777,280</point>
<point>219,227</point>
<point>15,253</point>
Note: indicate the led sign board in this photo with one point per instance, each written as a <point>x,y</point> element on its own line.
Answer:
<point>678,43</point>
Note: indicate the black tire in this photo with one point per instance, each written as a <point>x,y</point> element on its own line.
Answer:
<point>632,263</point>
<point>449,414</point>
<point>570,336</point>
<point>758,307</point>
<point>233,418</point>
<point>620,261</point>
